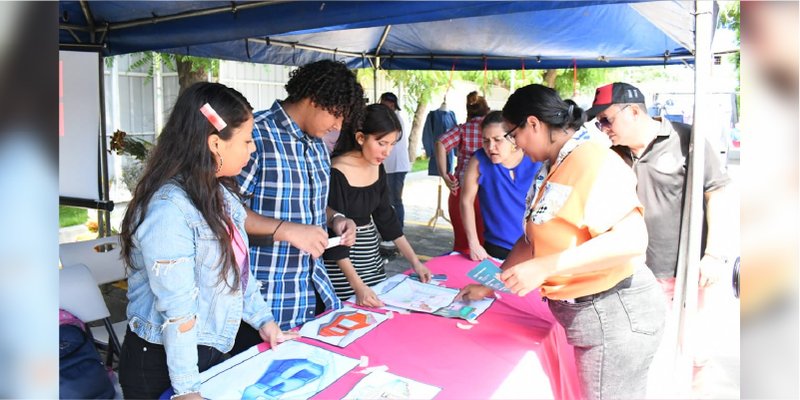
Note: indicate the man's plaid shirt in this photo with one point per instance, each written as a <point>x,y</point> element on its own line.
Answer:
<point>288,178</point>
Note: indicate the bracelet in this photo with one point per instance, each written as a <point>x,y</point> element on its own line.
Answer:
<point>336,214</point>
<point>276,228</point>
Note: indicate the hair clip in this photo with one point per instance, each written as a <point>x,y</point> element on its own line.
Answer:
<point>213,117</point>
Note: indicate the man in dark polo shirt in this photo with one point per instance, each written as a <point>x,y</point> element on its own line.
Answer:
<point>658,151</point>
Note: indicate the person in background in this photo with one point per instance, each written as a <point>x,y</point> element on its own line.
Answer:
<point>467,139</point>
<point>584,245</point>
<point>658,152</point>
<point>360,190</point>
<point>397,164</point>
<point>287,178</point>
<point>500,175</point>
<point>183,239</point>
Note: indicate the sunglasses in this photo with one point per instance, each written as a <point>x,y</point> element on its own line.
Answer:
<point>606,122</point>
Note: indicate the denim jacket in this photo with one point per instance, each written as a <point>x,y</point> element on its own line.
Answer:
<point>175,278</point>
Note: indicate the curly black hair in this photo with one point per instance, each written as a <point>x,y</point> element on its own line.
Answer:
<point>330,85</point>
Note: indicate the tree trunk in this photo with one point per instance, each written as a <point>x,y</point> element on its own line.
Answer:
<point>415,137</point>
<point>549,77</point>
<point>187,77</point>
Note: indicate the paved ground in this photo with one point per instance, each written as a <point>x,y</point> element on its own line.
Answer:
<point>721,378</point>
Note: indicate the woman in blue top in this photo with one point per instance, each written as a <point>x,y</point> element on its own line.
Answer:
<point>183,239</point>
<point>500,175</point>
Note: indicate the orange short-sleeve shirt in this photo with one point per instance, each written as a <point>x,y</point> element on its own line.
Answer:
<point>584,196</point>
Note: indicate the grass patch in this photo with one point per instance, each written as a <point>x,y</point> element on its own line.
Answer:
<point>70,216</point>
<point>421,164</point>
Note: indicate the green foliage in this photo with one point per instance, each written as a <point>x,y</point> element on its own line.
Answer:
<point>588,80</point>
<point>420,85</point>
<point>70,216</point>
<point>149,60</point>
<point>123,144</point>
<point>420,164</point>
<point>138,148</point>
<point>729,18</point>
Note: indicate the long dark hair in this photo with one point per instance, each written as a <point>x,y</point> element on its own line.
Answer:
<point>545,104</point>
<point>376,120</point>
<point>182,156</point>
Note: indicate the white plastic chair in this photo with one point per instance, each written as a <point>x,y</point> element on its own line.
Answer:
<point>101,256</point>
<point>80,295</point>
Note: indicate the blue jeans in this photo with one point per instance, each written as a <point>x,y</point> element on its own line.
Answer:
<point>615,335</point>
<point>396,182</point>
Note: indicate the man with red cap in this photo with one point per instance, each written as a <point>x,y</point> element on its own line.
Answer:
<point>658,150</point>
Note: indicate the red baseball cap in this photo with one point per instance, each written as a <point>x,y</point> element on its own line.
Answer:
<point>614,93</point>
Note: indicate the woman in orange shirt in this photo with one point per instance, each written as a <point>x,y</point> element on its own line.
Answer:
<point>584,246</point>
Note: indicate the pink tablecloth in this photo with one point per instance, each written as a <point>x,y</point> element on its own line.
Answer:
<point>515,351</point>
<point>468,364</point>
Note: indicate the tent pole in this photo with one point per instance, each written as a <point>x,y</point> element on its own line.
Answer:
<point>376,65</point>
<point>689,272</point>
<point>104,216</point>
<point>87,14</point>
<point>375,85</point>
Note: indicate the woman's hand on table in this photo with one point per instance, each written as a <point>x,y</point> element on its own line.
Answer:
<point>474,291</point>
<point>522,278</point>
<point>477,252</point>
<point>423,272</point>
<point>366,297</point>
<point>271,332</point>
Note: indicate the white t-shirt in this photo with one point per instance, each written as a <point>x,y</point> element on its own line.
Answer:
<point>398,158</point>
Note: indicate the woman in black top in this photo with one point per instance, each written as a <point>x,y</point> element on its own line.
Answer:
<point>358,188</point>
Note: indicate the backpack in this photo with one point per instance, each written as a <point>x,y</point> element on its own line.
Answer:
<point>82,374</point>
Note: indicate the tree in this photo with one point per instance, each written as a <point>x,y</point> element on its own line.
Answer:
<point>190,69</point>
<point>419,86</point>
<point>588,80</point>
<point>730,18</point>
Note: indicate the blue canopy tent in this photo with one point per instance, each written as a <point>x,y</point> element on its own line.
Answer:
<point>393,35</point>
<point>437,35</point>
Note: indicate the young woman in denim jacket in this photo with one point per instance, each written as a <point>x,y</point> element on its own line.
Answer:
<point>183,238</point>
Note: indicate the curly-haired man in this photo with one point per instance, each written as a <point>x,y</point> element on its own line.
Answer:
<point>287,179</point>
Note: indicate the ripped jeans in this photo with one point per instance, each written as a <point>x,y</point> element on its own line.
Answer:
<point>615,335</point>
<point>143,370</point>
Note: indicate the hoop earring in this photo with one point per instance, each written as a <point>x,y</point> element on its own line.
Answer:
<point>219,166</point>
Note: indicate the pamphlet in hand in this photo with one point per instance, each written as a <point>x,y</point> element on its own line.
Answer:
<point>333,242</point>
<point>486,274</point>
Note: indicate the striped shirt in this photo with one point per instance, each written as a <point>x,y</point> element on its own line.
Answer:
<point>467,137</point>
<point>288,179</point>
